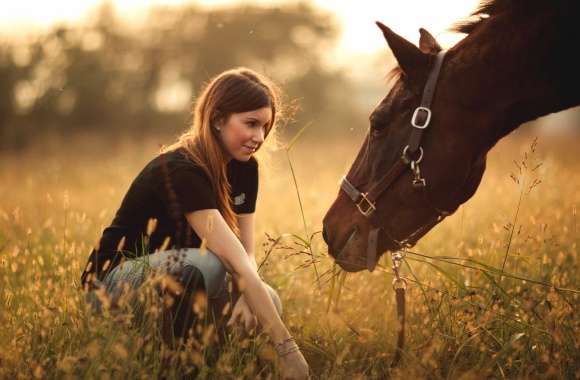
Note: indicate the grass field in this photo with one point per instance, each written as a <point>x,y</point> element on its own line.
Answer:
<point>464,320</point>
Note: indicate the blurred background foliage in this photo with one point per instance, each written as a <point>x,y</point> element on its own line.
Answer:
<point>111,76</point>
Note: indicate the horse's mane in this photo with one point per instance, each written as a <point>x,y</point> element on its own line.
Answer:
<point>491,8</point>
<point>485,9</point>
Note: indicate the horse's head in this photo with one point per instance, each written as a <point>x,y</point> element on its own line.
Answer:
<point>452,165</point>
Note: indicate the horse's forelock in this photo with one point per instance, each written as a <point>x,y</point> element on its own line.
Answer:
<point>394,75</point>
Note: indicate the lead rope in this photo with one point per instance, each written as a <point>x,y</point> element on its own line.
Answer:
<point>399,285</point>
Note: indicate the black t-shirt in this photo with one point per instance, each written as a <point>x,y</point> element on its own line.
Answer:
<point>169,186</point>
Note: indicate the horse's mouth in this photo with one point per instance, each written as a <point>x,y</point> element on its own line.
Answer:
<point>351,263</point>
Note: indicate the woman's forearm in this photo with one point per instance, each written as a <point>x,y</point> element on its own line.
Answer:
<point>261,303</point>
<point>253,262</point>
<point>246,223</point>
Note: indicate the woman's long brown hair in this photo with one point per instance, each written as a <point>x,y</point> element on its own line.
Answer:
<point>233,91</point>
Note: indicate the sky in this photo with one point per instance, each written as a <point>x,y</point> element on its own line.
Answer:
<point>359,35</point>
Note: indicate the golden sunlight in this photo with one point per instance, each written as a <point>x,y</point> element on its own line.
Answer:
<point>359,34</point>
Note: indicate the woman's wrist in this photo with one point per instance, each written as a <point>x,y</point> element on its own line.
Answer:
<point>286,347</point>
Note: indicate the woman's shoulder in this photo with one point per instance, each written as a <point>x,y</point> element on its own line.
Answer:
<point>174,163</point>
<point>171,160</point>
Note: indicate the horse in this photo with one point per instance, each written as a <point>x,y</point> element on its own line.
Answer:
<point>425,151</point>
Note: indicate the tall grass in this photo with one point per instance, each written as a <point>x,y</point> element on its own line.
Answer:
<point>488,291</point>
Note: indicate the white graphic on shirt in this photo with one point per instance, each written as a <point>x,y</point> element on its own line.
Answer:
<point>240,199</point>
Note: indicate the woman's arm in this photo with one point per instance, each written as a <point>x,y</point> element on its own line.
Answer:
<point>211,226</point>
<point>241,311</point>
<point>246,222</point>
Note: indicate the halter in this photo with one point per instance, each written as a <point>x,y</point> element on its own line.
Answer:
<point>366,203</point>
<point>411,157</point>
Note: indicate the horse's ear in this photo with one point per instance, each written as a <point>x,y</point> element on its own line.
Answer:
<point>428,43</point>
<point>413,61</point>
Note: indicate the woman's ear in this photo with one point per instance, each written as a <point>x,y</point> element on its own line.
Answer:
<point>218,122</point>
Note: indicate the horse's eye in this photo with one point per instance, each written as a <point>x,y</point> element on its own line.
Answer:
<point>375,126</point>
<point>378,121</point>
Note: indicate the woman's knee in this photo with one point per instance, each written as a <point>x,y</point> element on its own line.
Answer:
<point>211,267</point>
<point>191,279</point>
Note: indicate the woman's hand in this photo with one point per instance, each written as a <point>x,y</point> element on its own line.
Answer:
<point>293,366</point>
<point>243,313</point>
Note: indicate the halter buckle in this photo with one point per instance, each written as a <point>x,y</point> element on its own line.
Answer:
<point>425,124</point>
<point>367,209</point>
<point>419,182</point>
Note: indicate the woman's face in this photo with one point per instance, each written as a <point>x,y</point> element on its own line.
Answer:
<point>243,133</point>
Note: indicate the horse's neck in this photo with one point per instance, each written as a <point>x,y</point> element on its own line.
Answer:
<point>524,71</point>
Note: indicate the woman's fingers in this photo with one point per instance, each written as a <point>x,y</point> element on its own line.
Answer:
<point>250,321</point>
<point>242,313</point>
<point>232,320</point>
<point>235,313</point>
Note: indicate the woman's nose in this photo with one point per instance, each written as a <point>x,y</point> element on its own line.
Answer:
<point>259,135</point>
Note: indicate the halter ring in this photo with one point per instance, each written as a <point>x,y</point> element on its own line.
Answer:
<point>399,283</point>
<point>407,160</point>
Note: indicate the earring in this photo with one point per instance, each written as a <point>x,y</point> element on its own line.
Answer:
<point>218,129</point>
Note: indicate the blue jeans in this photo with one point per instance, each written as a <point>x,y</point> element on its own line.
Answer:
<point>191,272</point>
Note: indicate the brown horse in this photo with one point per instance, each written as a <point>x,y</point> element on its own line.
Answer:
<point>515,64</point>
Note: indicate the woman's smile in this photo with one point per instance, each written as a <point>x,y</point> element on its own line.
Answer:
<point>243,133</point>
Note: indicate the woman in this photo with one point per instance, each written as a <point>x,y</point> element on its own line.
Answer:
<point>202,188</point>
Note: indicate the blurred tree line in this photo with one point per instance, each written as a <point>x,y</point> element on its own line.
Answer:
<point>109,75</point>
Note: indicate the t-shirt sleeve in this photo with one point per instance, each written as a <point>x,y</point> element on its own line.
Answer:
<point>249,187</point>
<point>185,189</point>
